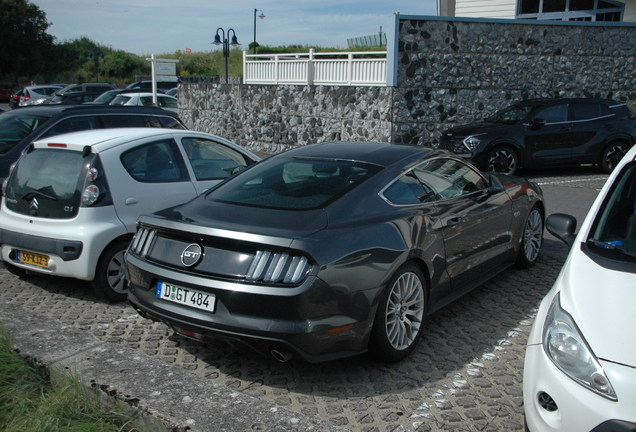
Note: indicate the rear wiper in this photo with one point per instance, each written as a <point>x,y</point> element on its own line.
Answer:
<point>35,193</point>
<point>612,246</point>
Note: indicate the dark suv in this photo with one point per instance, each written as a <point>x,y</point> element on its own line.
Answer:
<point>547,132</point>
<point>19,128</point>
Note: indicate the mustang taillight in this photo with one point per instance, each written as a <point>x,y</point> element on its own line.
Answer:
<point>142,241</point>
<point>268,266</point>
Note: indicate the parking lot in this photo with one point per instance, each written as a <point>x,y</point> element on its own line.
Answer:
<point>465,374</point>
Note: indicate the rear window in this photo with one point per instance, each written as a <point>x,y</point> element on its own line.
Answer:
<point>120,100</point>
<point>15,127</point>
<point>294,184</point>
<point>45,184</point>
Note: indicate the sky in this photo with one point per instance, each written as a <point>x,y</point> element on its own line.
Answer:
<point>147,27</point>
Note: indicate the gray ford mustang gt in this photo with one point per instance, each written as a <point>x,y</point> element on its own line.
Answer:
<point>332,250</point>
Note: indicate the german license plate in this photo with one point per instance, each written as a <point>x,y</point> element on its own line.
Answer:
<point>33,259</point>
<point>185,296</point>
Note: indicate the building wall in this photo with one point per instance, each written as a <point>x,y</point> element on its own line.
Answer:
<point>454,71</point>
<point>486,8</point>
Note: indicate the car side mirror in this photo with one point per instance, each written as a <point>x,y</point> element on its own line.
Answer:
<point>537,123</point>
<point>562,226</point>
<point>494,184</point>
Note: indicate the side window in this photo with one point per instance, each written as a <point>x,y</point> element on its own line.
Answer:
<point>212,160</point>
<point>588,111</point>
<point>122,121</point>
<point>449,178</point>
<point>407,190</point>
<point>554,114</point>
<point>156,162</point>
<point>167,102</point>
<point>167,122</point>
<point>146,100</point>
<point>74,124</point>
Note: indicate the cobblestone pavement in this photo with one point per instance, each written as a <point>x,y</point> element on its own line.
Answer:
<point>465,375</point>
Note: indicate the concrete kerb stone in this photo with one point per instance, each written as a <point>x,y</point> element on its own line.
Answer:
<point>161,396</point>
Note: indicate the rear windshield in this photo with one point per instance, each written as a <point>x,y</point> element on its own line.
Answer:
<point>45,184</point>
<point>294,184</point>
<point>15,127</point>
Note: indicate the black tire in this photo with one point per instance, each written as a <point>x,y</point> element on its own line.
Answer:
<point>531,239</point>
<point>612,155</point>
<point>111,281</point>
<point>398,322</point>
<point>503,160</point>
<point>18,271</point>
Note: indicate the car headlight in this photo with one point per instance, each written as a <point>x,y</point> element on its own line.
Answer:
<point>471,142</point>
<point>568,350</point>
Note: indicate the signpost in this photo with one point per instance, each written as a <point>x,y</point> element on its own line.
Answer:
<point>162,70</point>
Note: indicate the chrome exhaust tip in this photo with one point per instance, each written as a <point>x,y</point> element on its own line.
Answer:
<point>281,356</point>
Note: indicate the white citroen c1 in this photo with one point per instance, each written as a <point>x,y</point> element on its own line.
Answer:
<point>580,365</point>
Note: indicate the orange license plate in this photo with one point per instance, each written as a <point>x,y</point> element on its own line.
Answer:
<point>33,259</point>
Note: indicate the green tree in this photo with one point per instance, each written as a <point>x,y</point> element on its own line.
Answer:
<point>25,47</point>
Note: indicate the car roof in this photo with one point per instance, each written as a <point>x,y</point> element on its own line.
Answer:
<point>141,94</point>
<point>551,101</point>
<point>105,139</point>
<point>378,153</point>
<point>51,110</point>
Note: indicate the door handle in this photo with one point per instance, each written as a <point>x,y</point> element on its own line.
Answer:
<point>131,201</point>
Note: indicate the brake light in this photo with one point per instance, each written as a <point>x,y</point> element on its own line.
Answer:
<point>59,145</point>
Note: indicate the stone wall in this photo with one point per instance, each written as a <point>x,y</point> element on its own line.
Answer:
<point>271,119</point>
<point>460,71</point>
<point>450,71</point>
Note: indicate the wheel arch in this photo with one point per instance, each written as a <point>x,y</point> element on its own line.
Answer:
<point>514,145</point>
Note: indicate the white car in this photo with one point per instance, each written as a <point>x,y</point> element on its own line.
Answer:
<point>71,202</point>
<point>580,365</point>
<point>145,99</point>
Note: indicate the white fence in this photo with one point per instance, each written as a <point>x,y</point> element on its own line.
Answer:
<point>339,68</point>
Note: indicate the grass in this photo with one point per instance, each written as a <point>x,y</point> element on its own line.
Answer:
<point>33,398</point>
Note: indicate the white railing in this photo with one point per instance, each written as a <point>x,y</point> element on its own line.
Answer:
<point>338,68</point>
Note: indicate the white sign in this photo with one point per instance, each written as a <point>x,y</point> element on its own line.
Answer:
<point>166,68</point>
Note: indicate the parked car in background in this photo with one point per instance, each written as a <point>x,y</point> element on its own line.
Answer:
<point>33,93</point>
<point>107,97</point>
<point>146,86</point>
<point>71,202</point>
<point>5,95</point>
<point>580,364</point>
<point>14,102</point>
<point>64,92</point>
<point>547,132</point>
<point>145,99</point>
<point>19,128</point>
<point>173,92</point>
<point>73,98</point>
<point>330,250</point>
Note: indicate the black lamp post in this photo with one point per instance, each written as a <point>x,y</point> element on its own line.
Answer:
<point>96,56</point>
<point>261,16</point>
<point>226,45</point>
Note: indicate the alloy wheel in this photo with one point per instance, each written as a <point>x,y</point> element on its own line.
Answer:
<point>405,311</point>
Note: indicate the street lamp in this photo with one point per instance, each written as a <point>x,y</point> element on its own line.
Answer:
<point>96,56</point>
<point>226,45</point>
<point>261,16</point>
